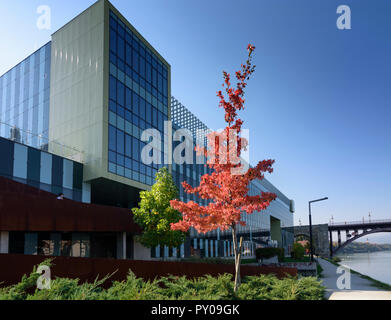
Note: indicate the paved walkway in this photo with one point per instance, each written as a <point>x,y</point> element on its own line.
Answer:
<point>360,289</point>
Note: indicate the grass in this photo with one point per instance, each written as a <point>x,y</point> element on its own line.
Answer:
<point>319,270</point>
<point>375,283</point>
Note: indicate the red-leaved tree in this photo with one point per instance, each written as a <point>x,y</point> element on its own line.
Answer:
<point>227,185</point>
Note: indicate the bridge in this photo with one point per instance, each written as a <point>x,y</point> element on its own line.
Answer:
<point>355,230</point>
<point>323,233</point>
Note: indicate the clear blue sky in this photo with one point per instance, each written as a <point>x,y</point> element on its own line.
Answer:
<point>319,102</point>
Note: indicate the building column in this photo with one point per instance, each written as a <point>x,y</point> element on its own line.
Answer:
<point>4,241</point>
<point>121,245</point>
<point>339,238</point>
<point>331,243</point>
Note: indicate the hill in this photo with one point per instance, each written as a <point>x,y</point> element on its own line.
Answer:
<point>363,247</point>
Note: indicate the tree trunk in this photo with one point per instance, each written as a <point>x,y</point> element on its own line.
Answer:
<point>238,255</point>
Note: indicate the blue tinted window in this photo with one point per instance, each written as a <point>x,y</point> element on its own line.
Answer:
<point>113,88</point>
<point>148,57</point>
<point>142,82</point>
<point>128,38</point>
<point>113,40</point>
<point>121,111</point>
<point>148,73</point>
<point>135,43</point>
<point>135,77</point>
<point>148,112</point>
<point>142,108</point>
<point>121,65</point>
<point>121,31</point>
<point>143,169</point>
<point>128,99</point>
<point>160,82</point>
<point>113,58</point>
<point>112,157</point>
<point>136,103</point>
<point>135,149</point>
<point>154,62</point>
<point>128,145</point>
<point>142,67</point>
<point>136,166</point>
<point>154,77</point>
<point>112,106</point>
<point>120,142</point>
<point>142,124</point>
<point>128,71</point>
<point>113,23</point>
<point>121,48</point>
<point>135,63</point>
<point>154,117</point>
<point>128,116</point>
<point>135,120</point>
<point>120,160</point>
<point>128,57</point>
<point>165,87</point>
<point>148,87</point>
<point>112,138</point>
<point>120,93</point>
<point>128,163</point>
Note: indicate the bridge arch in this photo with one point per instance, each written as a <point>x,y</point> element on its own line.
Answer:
<point>365,233</point>
<point>302,234</point>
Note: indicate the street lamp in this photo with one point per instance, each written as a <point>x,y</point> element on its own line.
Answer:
<point>309,207</point>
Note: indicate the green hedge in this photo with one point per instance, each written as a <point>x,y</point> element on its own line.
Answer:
<point>297,251</point>
<point>267,253</point>
<point>263,287</point>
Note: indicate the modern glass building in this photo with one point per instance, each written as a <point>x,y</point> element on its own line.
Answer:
<point>138,100</point>
<point>86,98</point>
<point>25,98</point>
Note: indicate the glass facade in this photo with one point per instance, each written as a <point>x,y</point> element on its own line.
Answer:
<point>138,100</point>
<point>182,118</point>
<point>24,100</point>
<point>41,169</point>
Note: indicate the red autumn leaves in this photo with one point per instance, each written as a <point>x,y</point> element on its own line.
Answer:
<point>227,191</point>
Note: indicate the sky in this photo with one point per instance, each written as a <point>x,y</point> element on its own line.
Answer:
<point>318,103</point>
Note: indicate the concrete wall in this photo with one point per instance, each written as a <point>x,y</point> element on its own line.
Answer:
<point>320,237</point>
<point>140,252</point>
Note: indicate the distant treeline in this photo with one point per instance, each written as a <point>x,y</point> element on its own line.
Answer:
<point>362,247</point>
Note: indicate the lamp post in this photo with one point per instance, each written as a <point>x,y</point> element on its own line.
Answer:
<point>309,207</point>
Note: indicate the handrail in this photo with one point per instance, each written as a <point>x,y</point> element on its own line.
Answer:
<point>339,224</point>
<point>27,138</point>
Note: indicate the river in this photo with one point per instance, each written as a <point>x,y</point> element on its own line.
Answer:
<point>375,264</point>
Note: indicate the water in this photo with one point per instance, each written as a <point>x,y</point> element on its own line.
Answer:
<point>377,265</point>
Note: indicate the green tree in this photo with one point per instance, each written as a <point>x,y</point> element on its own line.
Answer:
<point>297,251</point>
<point>155,214</point>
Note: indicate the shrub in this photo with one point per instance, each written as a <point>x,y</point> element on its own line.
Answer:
<point>262,287</point>
<point>267,253</point>
<point>297,251</point>
<point>336,259</point>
